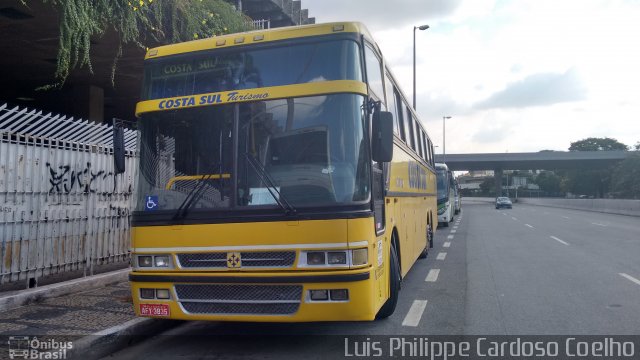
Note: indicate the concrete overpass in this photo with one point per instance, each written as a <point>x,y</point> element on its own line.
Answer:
<point>544,160</point>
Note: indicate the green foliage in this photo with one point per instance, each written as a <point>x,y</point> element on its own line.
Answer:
<point>141,22</point>
<point>597,144</point>
<point>549,182</point>
<point>488,186</point>
<point>588,181</point>
<point>626,178</point>
<point>637,146</point>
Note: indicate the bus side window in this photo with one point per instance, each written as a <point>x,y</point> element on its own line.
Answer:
<point>432,154</point>
<point>374,72</point>
<point>420,147</point>
<point>416,130</point>
<point>391,103</point>
<point>409,126</point>
<point>426,148</point>
<point>401,121</point>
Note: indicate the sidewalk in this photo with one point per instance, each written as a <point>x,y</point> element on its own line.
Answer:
<point>80,314</point>
<point>97,318</point>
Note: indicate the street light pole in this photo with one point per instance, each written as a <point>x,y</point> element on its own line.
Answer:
<point>422,27</point>
<point>444,147</point>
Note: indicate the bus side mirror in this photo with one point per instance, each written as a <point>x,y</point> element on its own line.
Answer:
<point>382,136</point>
<point>118,150</point>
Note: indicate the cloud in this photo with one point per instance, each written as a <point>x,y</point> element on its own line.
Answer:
<point>378,14</point>
<point>537,90</point>
<point>492,134</point>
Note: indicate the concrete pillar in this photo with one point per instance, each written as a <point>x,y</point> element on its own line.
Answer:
<point>497,175</point>
<point>88,102</point>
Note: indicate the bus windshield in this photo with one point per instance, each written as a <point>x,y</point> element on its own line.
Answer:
<point>252,67</point>
<point>443,185</point>
<point>308,151</point>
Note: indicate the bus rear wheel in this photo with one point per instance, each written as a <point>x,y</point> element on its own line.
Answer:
<point>429,243</point>
<point>394,286</point>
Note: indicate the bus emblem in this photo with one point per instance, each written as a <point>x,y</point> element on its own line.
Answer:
<point>234,260</point>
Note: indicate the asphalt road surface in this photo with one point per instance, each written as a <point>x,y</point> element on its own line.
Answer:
<point>529,271</point>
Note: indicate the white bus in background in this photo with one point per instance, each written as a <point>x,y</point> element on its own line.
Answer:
<point>446,194</point>
<point>457,207</point>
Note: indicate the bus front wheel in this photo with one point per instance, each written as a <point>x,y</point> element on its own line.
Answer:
<point>394,286</point>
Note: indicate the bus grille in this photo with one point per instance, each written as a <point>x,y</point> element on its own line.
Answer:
<point>264,259</point>
<point>240,299</point>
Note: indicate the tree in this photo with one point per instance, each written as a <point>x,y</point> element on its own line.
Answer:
<point>597,144</point>
<point>637,146</point>
<point>140,22</point>
<point>626,178</point>
<point>488,186</point>
<point>589,181</point>
<point>548,182</point>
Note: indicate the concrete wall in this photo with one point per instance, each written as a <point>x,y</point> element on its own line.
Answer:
<point>610,206</point>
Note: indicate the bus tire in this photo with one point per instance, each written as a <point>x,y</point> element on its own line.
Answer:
<point>394,286</point>
<point>429,244</point>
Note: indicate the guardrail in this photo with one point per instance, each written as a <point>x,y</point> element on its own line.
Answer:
<point>61,206</point>
<point>609,206</point>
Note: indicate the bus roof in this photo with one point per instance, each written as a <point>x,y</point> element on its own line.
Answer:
<point>258,36</point>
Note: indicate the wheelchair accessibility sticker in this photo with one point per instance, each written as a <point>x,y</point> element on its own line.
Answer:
<point>151,203</point>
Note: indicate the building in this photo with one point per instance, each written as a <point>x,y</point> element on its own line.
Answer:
<point>29,57</point>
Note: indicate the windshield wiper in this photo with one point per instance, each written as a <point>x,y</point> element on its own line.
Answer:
<point>266,178</point>
<point>192,197</point>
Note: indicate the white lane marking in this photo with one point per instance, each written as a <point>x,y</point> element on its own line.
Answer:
<point>441,256</point>
<point>415,313</point>
<point>455,227</point>
<point>505,214</point>
<point>566,217</point>
<point>528,225</point>
<point>446,244</point>
<point>432,276</point>
<point>450,237</point>
<point>629,277</point>
<point>514,218</point>
<point>599,224</point>
<point>560,241</point>
<point>453,231</point>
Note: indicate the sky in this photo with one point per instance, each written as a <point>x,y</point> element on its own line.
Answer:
<point>514,75</point>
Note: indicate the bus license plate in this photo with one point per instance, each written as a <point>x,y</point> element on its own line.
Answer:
<point>154,310</point>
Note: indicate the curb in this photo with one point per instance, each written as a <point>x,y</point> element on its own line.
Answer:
<point>109,341</point>
<point>29,296</point>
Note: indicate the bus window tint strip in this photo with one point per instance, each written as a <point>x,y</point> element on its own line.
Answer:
<point>246,68</point>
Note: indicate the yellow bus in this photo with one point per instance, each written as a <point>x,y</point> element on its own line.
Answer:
<point>282,177</point>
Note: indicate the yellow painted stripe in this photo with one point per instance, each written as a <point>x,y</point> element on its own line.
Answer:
<point>196,177</point>
<point>250,37</point>
<point>187,249</point>
<point>267,93</point>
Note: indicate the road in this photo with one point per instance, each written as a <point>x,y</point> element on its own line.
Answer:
<point>529,270</point>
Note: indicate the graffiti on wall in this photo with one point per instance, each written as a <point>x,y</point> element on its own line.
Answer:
<point>64,179</point>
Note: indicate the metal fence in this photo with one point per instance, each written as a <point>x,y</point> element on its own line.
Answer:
<point>260,24</point>
<point>61,206</point>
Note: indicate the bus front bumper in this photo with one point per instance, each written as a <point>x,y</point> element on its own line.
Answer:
<point>266,297</point>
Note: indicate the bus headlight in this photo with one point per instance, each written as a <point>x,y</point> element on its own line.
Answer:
<point>337,258</point>
<point>154,261</point>
<point>360,256</point>
<point>145,261</point>
<point>315,258</point>
<point>161,261</point>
